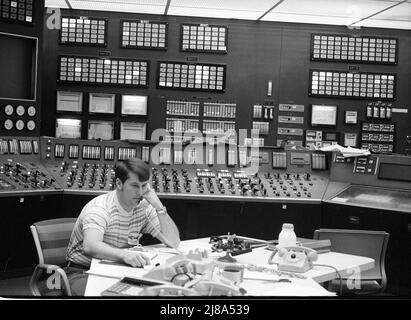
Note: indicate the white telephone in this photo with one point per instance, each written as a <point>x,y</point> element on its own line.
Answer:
<point>294,258</point>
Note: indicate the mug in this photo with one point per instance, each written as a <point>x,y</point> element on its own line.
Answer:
<point>233,273</point>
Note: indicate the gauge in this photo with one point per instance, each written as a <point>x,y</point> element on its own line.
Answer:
<point>20,110</point>
<point>31,125</point>
<point>8,124</point>
<point>9,110</point>
<point>20,125</point>
<point>31,111</point>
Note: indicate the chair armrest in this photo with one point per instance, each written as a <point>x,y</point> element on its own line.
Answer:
<point>50,269</point>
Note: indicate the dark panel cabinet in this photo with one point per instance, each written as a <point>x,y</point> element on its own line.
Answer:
<point>265,220</point>
<point>17,244</point>
<point>404,252</point>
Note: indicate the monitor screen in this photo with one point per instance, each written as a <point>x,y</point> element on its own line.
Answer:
<point>68,101</point>
<point>101,103</point>
<point>133,105</point>
<point>322,115</point>
<point>132,131</point>
<point>103,130</point>
<point>395,171</point>
<point>68,128</point>
<point>18,65</point>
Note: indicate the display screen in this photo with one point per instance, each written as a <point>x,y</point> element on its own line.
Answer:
<point>203,38</point>
<point>17,11</point>
<point>345,48</point>
<point>103,130</point>
<point>394,171</point>
<point>83,31</point>
<point>350,139</point>
<point>132,131</point>
<point>18,65</point>
<point>68,128</point>
<point>189,76</point>
<point>104,71</point>
<point>133,105</point>
<point>69,101</point>
<point>143,34</point>
<point>322,115</point>
<point>361,85</point>
<point>101,103</point>
<point>330,136</point>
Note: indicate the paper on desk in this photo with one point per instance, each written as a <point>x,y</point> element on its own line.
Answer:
<point>117,270</point>
<point>149,252</point>
<point>346,152</point>
<point>184,247</point>
<point>296,288</point>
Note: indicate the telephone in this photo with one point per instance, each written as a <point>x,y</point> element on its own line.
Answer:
<point>167,290</point>
<point>181,264</point>
<point>294,258</point>
<point>214,288</point>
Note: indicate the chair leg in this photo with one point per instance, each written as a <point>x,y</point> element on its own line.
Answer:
<point>39,270</point>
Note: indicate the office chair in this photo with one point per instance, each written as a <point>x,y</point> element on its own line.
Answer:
<point>51,238</point>
<point>372,244</point>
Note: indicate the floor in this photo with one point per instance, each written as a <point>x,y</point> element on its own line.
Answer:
<point>15,287</point>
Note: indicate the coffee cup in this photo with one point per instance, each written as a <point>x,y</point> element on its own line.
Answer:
<point>233,273</point>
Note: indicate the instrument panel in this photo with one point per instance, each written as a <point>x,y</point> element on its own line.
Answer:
<point>202,170</point>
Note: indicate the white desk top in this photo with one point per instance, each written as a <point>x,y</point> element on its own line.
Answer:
<point>104,275</point>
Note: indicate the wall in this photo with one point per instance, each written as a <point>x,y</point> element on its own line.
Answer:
<point>257,52</point>
<point>18,80</point>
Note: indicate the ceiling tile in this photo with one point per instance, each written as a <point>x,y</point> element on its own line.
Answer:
<point>299,18</point>
<point>372,23</point>
<point>56,4</point>
<point>355,9</point>
<point>240,5</point>
<point>231,9</point>
<point>137,6</point>
<point>402,12</point>
<point>334,12</point>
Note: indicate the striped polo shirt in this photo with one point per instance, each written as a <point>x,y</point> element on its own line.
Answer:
<point>121,229</point>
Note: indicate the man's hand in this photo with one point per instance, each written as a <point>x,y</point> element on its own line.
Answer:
<point>135,259</point>
<point>153,199</point>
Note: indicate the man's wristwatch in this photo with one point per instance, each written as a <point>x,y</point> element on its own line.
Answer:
<point>162,211</point>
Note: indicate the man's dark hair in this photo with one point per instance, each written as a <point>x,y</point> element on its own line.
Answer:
<point>134,165</point>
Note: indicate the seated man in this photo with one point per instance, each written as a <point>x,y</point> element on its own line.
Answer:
<point>114,221</point>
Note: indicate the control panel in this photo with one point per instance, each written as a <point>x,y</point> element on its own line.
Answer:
<point>196,170</point>
<point>209,171</point>
<point>90,176</point>
<point>20,168</point>
<point>371,170</point>
<point>87,166</point>
<point>236,183</point>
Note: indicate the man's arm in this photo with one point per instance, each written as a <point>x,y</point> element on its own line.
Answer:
<point>169,234</point>
<point>94,246</point>
<point>169,231</point>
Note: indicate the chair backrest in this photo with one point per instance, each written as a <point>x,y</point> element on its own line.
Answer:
<point>366,243</point>
<point>52,238</point>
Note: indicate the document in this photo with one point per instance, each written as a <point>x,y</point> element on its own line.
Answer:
<point>273,286</point>
<point>346,152</point>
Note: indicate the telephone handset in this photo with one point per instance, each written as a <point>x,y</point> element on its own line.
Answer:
<point>294,258</point>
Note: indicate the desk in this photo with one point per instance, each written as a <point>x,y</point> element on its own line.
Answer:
<point>102,276</point>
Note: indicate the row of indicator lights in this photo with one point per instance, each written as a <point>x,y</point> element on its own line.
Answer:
<point>20,110</point>
<point>20,124</point>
